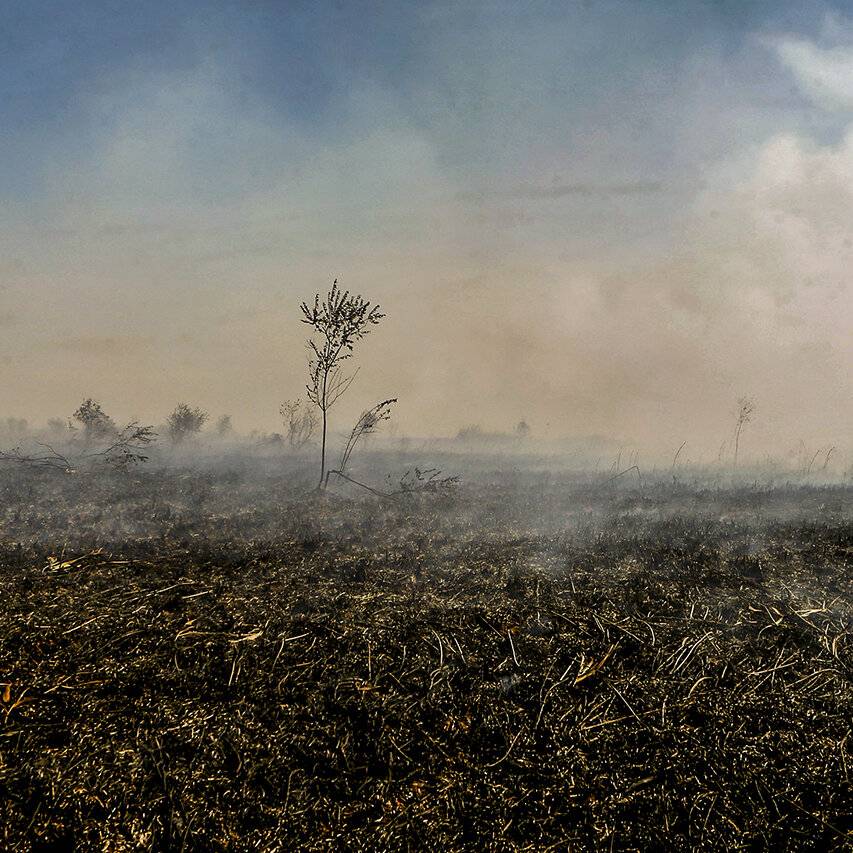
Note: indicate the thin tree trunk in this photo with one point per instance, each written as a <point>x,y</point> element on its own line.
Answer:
<point>323,454</point>
<point>737,442</point>
<point>324,407</point>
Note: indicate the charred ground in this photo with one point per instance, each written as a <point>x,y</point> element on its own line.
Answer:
<point>206,660</point>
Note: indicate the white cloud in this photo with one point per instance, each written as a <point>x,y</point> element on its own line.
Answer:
<point>824,74</point>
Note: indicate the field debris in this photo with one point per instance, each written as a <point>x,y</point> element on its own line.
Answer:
<point>359,676</point>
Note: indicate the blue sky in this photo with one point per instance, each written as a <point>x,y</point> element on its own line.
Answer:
<point>464,73</point>
<point>176,176</point>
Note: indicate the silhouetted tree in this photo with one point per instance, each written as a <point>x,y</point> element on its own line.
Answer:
<point>184,422</point>
<point>223,425</point>
<point>473,432</point>
<point>95,423</point>
<point>338,321</point>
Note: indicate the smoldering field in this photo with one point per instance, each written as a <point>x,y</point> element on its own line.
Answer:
<point>209,655</point>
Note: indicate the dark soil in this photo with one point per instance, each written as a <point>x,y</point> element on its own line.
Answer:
<point>202,663</point>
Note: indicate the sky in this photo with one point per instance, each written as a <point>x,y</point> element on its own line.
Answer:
<point>603,218</point>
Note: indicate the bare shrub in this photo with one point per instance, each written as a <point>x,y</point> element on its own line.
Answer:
<point>472,432</point>
<point>367,424</point>
<point>300,422</point>
<point>124,448</point>
<point>746,408</point>
<point>425,480</point>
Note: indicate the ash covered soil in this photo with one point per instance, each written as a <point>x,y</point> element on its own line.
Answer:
<point>207,661</point>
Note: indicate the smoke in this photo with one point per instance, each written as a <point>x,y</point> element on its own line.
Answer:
<point>623,249</point>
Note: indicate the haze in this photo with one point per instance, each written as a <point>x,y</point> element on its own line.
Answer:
<point>606,218</point>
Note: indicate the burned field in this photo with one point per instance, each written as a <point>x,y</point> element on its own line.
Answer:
<point>202,662</point>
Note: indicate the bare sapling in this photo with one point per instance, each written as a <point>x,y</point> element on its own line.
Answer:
<point>338,321</point>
